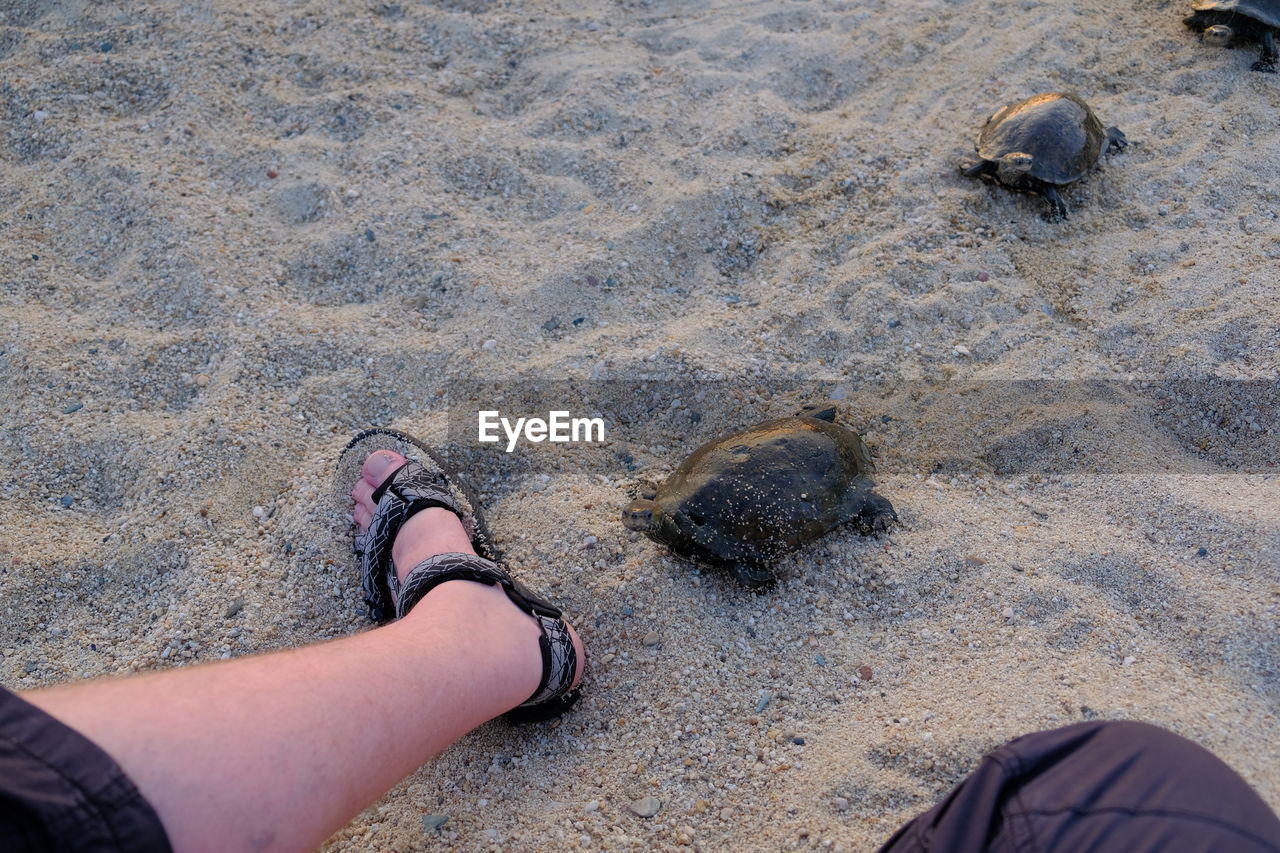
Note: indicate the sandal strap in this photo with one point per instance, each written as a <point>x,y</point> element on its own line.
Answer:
<point>439,568</point>
<point>408,490</point>
<point>559,657</point>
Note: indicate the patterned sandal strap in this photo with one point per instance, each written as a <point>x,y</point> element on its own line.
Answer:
<point>559,657</point>
<point>407,491</point>
<point>412,482</point>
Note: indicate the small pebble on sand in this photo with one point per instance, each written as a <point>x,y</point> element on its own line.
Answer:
<point>1129,661</point>
<point>651,639</point>
<point>432,822</point>
<point>489,344</point>
<point>864,672</point>
<point>67,501</point>
<point>645,807</point>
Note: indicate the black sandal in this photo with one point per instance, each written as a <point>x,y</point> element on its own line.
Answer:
<point>425,481</point>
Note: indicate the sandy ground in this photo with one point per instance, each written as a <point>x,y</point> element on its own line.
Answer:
<point>235,233</point>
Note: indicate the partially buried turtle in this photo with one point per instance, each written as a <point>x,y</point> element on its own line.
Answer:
<point>1229,22</point>
<point>1042,143</point>
<point>744,500</point>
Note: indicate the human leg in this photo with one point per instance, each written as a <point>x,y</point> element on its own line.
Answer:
<point>277,751</point>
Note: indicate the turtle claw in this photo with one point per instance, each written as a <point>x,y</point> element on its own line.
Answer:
<point>1057,211</point>
<point>1263,65</point>
<point>883,521</point>
<point>752,577</point>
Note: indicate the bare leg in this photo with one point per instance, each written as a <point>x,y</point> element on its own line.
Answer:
<point>276,752</point>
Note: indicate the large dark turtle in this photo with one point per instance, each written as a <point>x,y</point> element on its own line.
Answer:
<point>1228,22</point>
<point>1042,143</point>
<point>744,500</point>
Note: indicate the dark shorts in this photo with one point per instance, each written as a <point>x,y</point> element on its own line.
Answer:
<point>1106,787</point>
<point>59,791</point>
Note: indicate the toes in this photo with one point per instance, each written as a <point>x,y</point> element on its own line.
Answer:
<point>362,494</point>
<point>379,465</point>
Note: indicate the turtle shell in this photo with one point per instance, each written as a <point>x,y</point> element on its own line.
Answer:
<point>749,497</point>
<point>1059,131</point>
<point>1266,11</point>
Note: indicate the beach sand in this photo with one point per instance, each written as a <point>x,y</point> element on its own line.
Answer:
<point>234,234</point>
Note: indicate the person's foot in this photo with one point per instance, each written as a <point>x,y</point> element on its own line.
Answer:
<point>438,531</point>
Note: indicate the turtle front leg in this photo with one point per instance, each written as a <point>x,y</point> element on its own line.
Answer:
<point>878,515</point>
<point>982,167</point>
<point>1057,207</point>
<point>1116,140</point>
<point>1267,60</point>
<point>751,576</point>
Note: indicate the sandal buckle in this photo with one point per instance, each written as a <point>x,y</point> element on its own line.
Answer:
<point>526,600</point>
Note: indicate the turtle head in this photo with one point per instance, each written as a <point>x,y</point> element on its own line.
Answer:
<point>1014,165</point>
<point>1219,35</point>
<point>640,516</point>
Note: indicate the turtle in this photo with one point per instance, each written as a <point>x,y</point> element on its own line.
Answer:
<point>1227,22</point>
<point>745,499</point>
<point>1042,143</point>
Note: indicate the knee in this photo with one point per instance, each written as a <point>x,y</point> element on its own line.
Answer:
<point>1133,730</point>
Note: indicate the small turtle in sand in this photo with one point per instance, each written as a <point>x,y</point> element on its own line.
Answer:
<point>744,500</point>
<point>1225,23</point>
<point>1043,143</point>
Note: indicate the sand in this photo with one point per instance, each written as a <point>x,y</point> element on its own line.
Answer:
<point>234,234</point>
